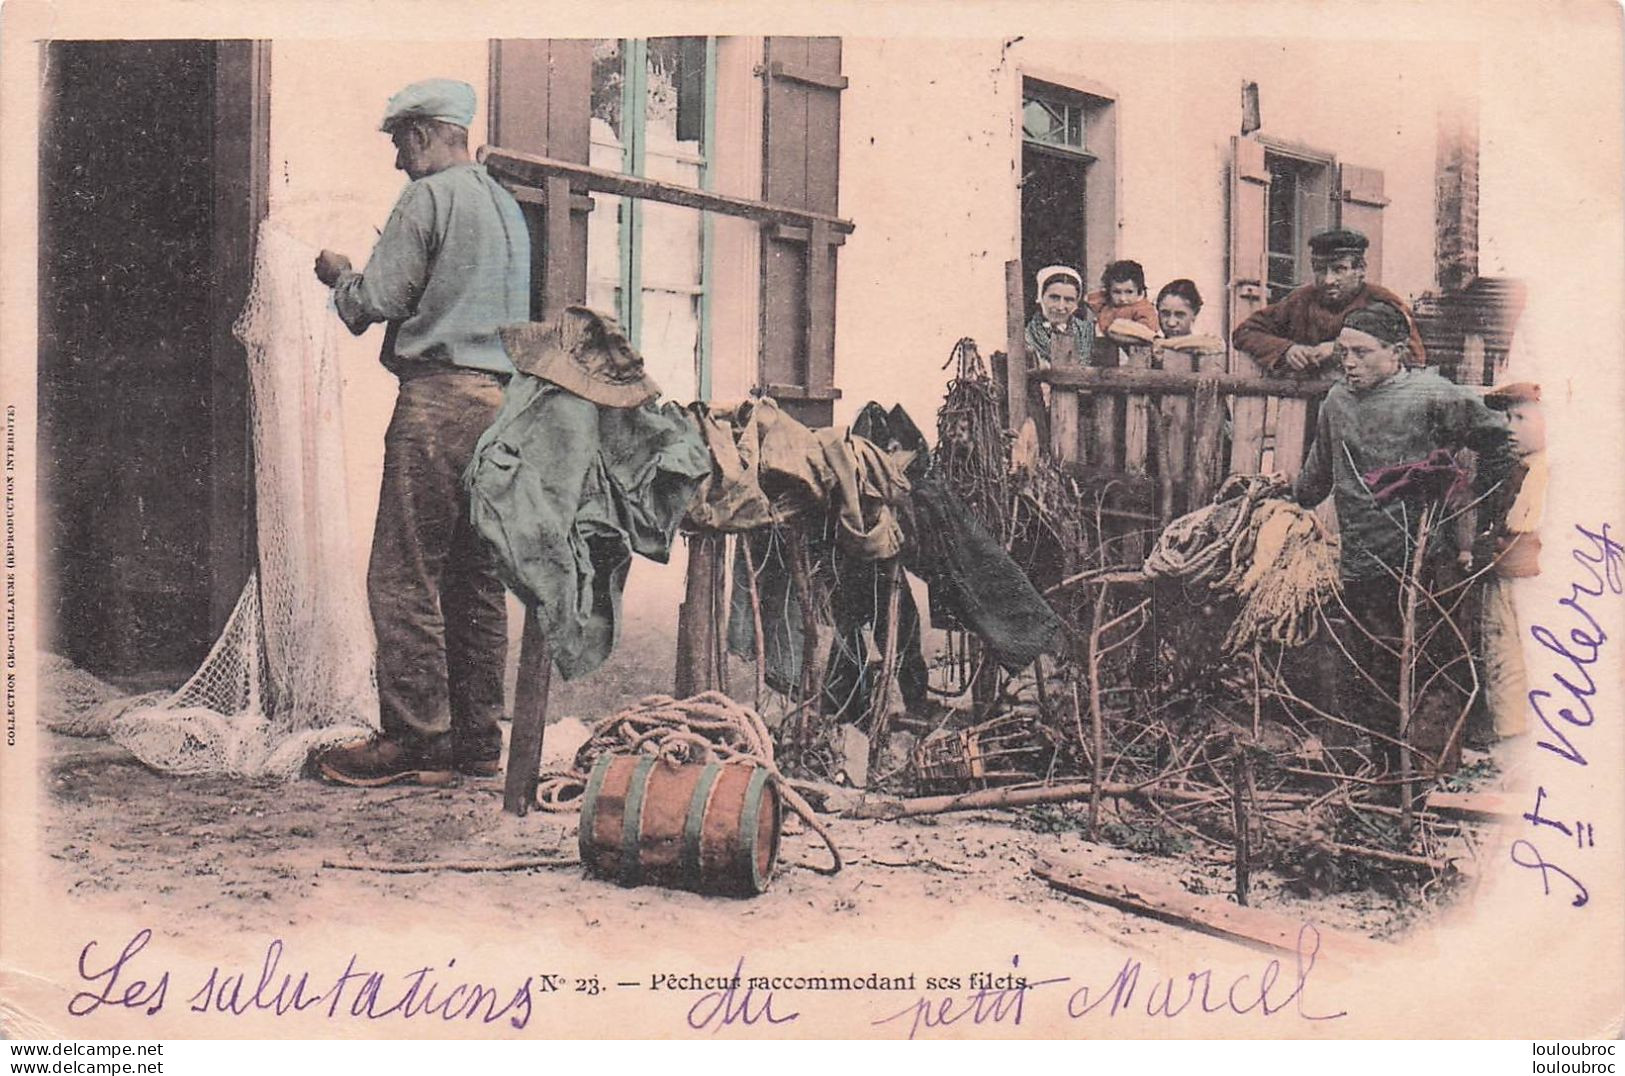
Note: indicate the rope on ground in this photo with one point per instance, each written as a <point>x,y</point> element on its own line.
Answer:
<point>709,727</point>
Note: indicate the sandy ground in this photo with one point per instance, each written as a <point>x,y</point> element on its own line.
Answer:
<point>254,855</point>
<point>220,857</point>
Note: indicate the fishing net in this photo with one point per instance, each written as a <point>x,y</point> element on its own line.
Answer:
<point>292,670</point>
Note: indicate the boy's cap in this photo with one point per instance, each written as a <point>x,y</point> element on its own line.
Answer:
<point>1505,397</point>
<point>1383,320</point>
<point>443,99</point>
<point>585,352</point>
<point>1339,241</point>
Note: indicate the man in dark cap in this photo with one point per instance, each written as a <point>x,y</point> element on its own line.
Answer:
<point>1379,418</point>
<point>449,269</point>
<point>1296,334</point>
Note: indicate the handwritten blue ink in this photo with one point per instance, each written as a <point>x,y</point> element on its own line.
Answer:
<point>1200,989</point>
<point>136,993</point>
<point>224,993</point>
<point>984,1006</point>
<point>1586,641</point>
<point>724,1008</point>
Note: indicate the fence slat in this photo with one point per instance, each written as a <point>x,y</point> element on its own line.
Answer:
<point>1207,462</point>
<point>1176,425</point>
<point>1291,432</point>
<point>1063,424</point>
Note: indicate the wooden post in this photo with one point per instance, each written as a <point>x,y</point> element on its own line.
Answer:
<point>696,620</point>
<point>880,695</point>
<point>1177,422</point>
<point>1015,344</point>
<point>812,649</point>
<point>1097,723</point>
<point>529,719</point>
<point>1408,661</point>
<point>535,657</point>
<point>555,287</point>
<point>1238,801</point>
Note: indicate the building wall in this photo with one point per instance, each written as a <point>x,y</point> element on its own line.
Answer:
<point>333,182</point>
<point>930,154</point>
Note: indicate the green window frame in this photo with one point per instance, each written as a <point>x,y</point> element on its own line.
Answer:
<point>634,54</point>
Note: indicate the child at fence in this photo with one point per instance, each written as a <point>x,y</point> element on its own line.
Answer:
<point>1178,304</point>
<point>1122,312</point>
<point>1513,541</point>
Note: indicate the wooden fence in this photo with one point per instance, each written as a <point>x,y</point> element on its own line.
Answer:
<point>1158,429</point>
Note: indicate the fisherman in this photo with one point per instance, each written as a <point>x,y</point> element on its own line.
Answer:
<point>1381,417</point>
<point>1297,334</point>
<point>450,267</point>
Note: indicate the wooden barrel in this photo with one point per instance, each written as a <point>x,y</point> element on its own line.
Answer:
<point>708,827</point>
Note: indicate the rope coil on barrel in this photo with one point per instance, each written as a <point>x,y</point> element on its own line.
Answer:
<point>709,727</point>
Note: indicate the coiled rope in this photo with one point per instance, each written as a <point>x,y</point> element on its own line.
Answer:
<point>709,727</point>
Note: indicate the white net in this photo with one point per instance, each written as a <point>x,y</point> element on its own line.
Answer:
<point>292,671</point>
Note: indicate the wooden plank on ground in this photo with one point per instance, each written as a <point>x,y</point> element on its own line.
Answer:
<point>1215,916</point>
<point>1477,806</point>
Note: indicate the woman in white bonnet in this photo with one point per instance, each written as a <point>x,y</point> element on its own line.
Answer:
<point>1061,330</point>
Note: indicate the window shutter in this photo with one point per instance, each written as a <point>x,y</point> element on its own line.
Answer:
<point>1363,201</point>
<point>1249,223</point>
<point>540,102</point>
<point>801,153</point>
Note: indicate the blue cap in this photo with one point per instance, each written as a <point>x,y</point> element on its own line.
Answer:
<point>443,99</point>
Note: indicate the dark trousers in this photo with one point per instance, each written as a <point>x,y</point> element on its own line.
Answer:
<point>437,606</point>
<point>1440,681</point>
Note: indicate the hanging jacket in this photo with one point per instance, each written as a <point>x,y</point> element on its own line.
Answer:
<point>566,491</point>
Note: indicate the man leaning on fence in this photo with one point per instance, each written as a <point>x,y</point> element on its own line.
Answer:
<point>1296,336</point>
<point>450,268</point>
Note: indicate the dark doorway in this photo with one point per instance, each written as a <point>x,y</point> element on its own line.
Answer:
<point>1052,213</point>
<point>146,220</point>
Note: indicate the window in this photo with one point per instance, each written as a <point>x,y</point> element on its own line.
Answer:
<point>756,118</point>
<point>1052,121</point>
<point>1067,193</point>
<point>1301,204</point>
<point>652,111</point>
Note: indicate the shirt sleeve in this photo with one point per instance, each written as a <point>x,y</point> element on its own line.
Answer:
<point>1314,482</point>
<point>1263,335</point>
<point>389,288</point>
<point>1146,314</point>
